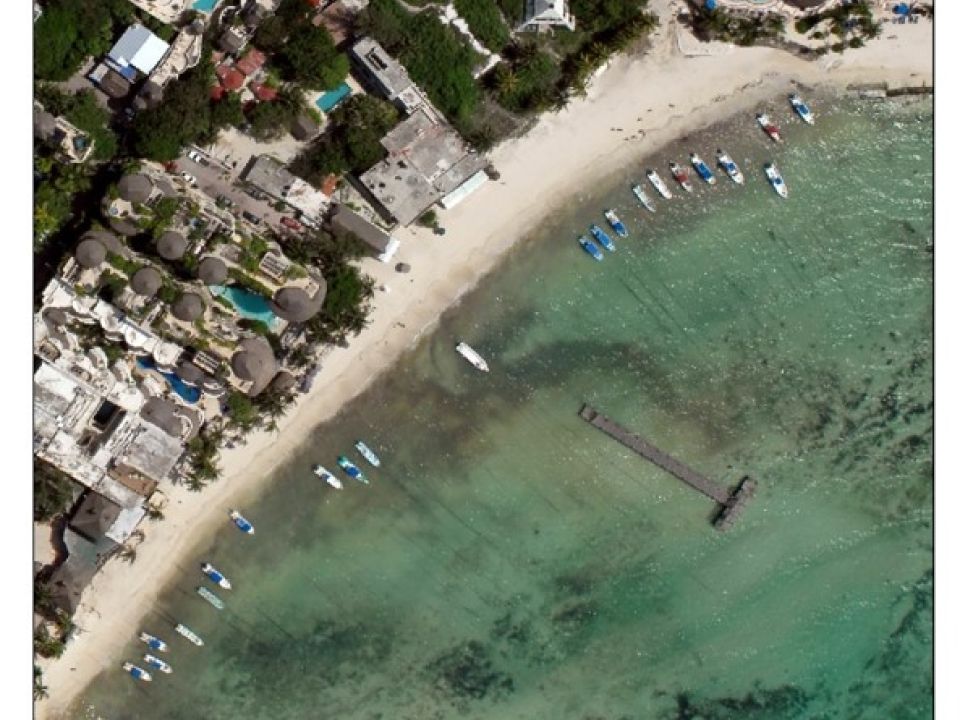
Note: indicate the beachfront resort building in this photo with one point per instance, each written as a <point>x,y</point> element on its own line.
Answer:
<point>542,14</point>
<point>345,221</point>
<point>70,143</point>
<point>272,177</point>
<point>427,161</point>
<point>166,11</point>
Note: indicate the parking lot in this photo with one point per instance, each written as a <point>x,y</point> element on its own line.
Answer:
<point>216,181</point>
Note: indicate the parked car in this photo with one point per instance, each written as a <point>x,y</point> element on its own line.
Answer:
<point>255,219</point>
<point>224,201</point>
<point>189,178</point>
<point>255,194</point>
<point>291,223</point>
<point>195,156</point>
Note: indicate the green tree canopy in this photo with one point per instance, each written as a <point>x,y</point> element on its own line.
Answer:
<point>310,58</point>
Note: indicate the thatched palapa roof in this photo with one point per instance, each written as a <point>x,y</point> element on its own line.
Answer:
<point>254,361</point>
<point>171,245</point>
<point>212,271</point>
<point>146,281</point>
<point>90,253</point>
<point>188,307</point>
<point>295,305</point>
<point>135,188</point>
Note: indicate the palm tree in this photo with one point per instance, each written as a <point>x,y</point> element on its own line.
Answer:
<point>39,689</point>
<point>506,81</point>
<point>128,554</point>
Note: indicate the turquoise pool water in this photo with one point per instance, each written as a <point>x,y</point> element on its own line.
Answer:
<point>329,100</point>
<point>188,392</point>
<point>205,5</point>
<point>248,304</point>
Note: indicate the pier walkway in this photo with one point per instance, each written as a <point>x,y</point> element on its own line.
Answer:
<point>731,503</point>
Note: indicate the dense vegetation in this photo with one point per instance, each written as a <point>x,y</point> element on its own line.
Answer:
<point>856,18</point>
<point>485,22</point>
<point>52,491</point>
<point>71,30</point>
<point>271,120</point>
<point>719,25</point>
<point>83,110</point>
<point>56,187</point>
<point>434,55</point>
<point>526,80</point>
<point>351,142</point>
<point>186,115</point>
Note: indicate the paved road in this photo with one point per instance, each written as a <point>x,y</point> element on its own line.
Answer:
<point>216,181</point>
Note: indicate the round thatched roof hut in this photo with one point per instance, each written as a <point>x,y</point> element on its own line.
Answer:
<point>295,305</point>
<point>135,188</point>
<point>254,361</point>
<point>212,271</point>
<point>90,253</point>
<point>124,226</point>
<point>188,307</point>
<point>106,238</point>
<point>171,245</point>
<point>146,281</point>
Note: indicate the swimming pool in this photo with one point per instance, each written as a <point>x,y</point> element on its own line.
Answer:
<point>248,304</point>
<point>205,5</point>
<point>329,100</point>
<point>189,393</point>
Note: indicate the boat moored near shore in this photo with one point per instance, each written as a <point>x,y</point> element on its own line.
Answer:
<point>159,664</point>
<point>800,107</point>
<point>216,576</point>
<point>210,597</point>
<point>369,455</point>
<point>601,237</point>
<point>154,643</point>
<point>776,179</point>
<point>729,167</point>
<point>702,170</point>
<point>618,227</point>
<point>659,184</point>
<point>189,634</point>
<point>241,522</point>
<point>643,198</point>
<point>472,357</point>
<point>772,131</point>
<point>351,470</point>
<point>137,672</point>
<point>590,248</point>
<point>681,176</point>
<point>328,477</point>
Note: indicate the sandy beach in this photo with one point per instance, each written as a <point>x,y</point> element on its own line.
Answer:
<point>665,93</point>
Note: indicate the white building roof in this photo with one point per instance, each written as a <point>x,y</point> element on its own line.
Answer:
<point>458,195</point>
<point>140,48</point>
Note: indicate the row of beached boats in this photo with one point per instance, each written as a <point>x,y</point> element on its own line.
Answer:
<point>601,240</point>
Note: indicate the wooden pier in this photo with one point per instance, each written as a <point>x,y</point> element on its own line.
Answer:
<point>731,503</point>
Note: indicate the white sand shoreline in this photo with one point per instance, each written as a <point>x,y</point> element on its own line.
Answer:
<point>562,154</point>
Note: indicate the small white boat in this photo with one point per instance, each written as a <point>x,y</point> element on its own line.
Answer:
<point>643,198</point>
<point>138,672</point>
<point>153,642</point>
<point>473,357</point>
<point>776,179</point>
<point>218,577</point>
<point>772,131</point>
<point>730,167</point>
<point>659,184</point>
<point>369,455</point>
<point>800,107</point>
<point>189,634</point>
<point>210,597</point>
<point>241,522</point>
<point>328,477</point>
<point>159,664</point>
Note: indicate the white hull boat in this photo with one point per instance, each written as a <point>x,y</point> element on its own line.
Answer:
<point>776,180</point>
<point>328,477</point>
<point>473,357</point>
<point>659,184</point>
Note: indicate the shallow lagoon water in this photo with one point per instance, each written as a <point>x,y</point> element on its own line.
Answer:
<point>510,562</point>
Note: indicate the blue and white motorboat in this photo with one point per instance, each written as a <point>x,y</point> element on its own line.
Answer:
<point>618,227</point>
<point>659,184</point>
<point>369,455</point>
<point>216,576</point>
<point>800,107</point>
<point>643,198</point>
<point>137,672</point>
<point>702,170</point>
<point>159,664</point>
<point>328,477</point>
<point>241,522</point>
<point>154,643</point>
<point>776,179</point>
<point>590,247</point>
<point>351,470</point>
<point>189,634</point>
<point>729,167</point>
<point>601,237</point>
<point>210,597</point>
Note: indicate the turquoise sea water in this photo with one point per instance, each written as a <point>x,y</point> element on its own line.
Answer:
<point>510,562</point>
